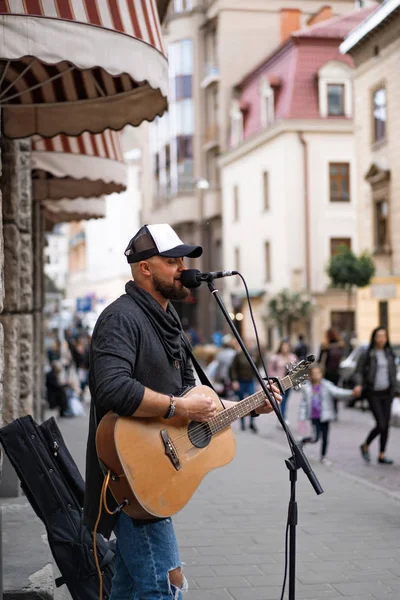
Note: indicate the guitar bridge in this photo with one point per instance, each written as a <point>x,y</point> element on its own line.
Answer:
<point>170,450</point>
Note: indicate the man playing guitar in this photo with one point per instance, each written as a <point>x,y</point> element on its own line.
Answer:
<point>137,362</point>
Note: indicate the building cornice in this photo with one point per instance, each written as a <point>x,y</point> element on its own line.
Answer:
<point>369,25</point>
<point>337,126</point>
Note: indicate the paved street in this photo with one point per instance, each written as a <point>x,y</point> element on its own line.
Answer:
<point>232,532</point>
<point>346,436</point>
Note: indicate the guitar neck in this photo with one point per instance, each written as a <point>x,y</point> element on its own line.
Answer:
<point>243,408</point>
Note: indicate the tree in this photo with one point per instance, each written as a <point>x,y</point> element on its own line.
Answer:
<point>287,308</point>
<point>346,270</point>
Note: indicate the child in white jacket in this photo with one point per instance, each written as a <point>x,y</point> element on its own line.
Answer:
<point>317,405</point>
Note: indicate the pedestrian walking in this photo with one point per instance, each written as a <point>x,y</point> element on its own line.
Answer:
<point>376,378</point>
<point>243,382</point>
<point>277,367</point>
<point>219,370</point>
<point>317,406</point>
<point>138,361</point>
<point>330,357</point>
<point>56,389</point>
<point>301,349</point>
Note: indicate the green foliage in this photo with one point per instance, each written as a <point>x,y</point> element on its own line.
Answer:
<point>289,307</point>
<point>346,270</point>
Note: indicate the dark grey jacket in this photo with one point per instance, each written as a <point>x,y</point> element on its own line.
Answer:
<point>366,371</point>
<point>125,357</point>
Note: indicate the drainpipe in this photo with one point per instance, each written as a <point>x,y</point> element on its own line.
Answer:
<point>306,209</point>
<point>303,142</point>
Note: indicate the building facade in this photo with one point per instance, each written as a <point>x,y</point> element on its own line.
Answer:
<point>211,46</point>
<point>97,267</point>
<point>289,178</point>
<point>375,48</point>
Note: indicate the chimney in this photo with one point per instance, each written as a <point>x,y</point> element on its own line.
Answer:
<point>290,22</point>
<point>322,14</point>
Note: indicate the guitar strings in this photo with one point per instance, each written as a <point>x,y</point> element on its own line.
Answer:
<point>222,412</point>
<point>257,396</point>
<point>197,431</point>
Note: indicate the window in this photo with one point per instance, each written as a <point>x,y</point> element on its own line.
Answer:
<point>384,314</point>
<point>335,89</point>
<point>381,226</point>
<point>182,5</point>
<point>236,203</point>
<point>379,114</point>
<point>339,182</point>
<point>337,242</point>
<point>335,99</point>
<point>267,103</point>
<point>265,190</point>
<point>236,124</point>
<point>212,167</point>
<point>267,254</point>
<point>183,87</point>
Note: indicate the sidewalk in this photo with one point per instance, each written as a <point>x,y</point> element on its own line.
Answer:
<point>231,534</point>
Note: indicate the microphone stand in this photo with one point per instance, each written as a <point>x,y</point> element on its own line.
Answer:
<point>297,461</point>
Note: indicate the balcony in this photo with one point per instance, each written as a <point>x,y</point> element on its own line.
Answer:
<point>212,205</point>
<point>211,137</point>
<point>211,76</point>
<point>180,208</point>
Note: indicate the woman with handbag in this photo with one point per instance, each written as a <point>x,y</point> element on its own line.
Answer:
<point>376,378</point>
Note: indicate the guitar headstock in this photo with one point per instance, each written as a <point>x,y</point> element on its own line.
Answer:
<point>300,372</point>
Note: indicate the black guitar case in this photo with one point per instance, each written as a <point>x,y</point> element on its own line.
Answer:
<point>54,487</point>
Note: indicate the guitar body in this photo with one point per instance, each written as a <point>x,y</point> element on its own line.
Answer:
<point>159,463</point>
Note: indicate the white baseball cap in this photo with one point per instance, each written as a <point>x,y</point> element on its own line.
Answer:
<point>161,240</point>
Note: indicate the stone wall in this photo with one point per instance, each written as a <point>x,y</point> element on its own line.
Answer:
<point>17,315</point>
<point>22,299</point>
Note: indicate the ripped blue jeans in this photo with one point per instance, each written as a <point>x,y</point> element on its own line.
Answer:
<point>145,554</point>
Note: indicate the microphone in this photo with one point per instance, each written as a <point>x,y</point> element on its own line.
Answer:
<point>192,278</point>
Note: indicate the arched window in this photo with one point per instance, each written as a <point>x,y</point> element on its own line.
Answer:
<point>335,90</point>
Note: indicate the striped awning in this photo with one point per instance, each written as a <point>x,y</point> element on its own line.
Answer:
<point>69,66</point>
<point>85,166</point>
<point>65,211</point>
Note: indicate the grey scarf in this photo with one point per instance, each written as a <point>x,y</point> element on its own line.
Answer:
<point>166,323</point>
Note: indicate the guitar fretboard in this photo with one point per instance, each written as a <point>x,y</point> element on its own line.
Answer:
<point>242,408</point>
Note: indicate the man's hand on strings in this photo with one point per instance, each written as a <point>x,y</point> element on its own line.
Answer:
<point>267,408</point>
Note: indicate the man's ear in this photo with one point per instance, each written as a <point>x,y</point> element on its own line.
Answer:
<point>144,268</point>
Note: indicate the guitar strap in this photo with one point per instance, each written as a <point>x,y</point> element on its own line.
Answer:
<point>201,374</point>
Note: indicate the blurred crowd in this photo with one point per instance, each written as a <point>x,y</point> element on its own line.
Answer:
<point>67,369</point>
<point>230,373</point>
<point>375,378</point>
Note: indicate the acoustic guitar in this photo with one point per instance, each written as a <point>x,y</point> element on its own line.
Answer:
<point>156,465</point>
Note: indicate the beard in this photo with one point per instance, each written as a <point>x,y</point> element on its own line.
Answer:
<point>169,290</point>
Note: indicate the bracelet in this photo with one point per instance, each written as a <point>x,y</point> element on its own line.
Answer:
<point>172,407</point>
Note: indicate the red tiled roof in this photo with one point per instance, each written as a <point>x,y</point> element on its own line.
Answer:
<point>336,27</point>
<point>296,64</point>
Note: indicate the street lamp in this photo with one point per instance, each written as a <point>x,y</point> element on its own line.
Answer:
<point>202,185</point>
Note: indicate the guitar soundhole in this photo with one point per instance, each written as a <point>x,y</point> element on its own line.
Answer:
<point>199,434</point>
